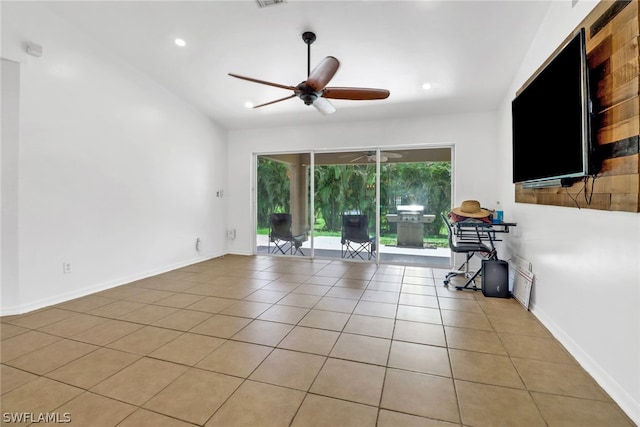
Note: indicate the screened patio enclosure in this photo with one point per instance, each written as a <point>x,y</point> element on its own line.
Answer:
<point>397,196</point>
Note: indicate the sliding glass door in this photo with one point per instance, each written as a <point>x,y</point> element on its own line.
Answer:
<point>363,205</point>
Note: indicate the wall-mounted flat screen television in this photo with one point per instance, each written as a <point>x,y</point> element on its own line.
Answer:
<point>551,119</point>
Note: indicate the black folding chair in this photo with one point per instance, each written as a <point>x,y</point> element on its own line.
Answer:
<point>280,235</point>
<point>470,244</point>
<point>355,237</point>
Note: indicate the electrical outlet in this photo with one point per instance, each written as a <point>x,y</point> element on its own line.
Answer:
<point>66,267</point>
<point>231,233</point>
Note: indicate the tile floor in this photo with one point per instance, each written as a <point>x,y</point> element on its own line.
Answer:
<point>274,341</point>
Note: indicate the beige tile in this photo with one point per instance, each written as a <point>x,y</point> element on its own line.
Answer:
<point>562,411</point>
<point>420,394</point>
<point>420,358</point>
<point>93,368</point>
<point>188,349</point>
<point>418,289</point>
<point>140,381</point>
<point>150,296</point>
<point>148,314</point>
<point>179,300</point>
<point>322,319</point>
<point>377,309</point>
<point>211,304</point>
<point>39,395</point>
<point>12,378</point>
<point>145,340</point>
<point>537,348</point>
<point>71,326</point>
<point>372,326</point>
<point>310,340</point>
<point>341,305</point>
<point>255,404</point>
<point>265,295</point>
<point>25,343</point>
<point>419,300</point>
<point>183,320</point>
<point>263,332</point>
<point>421,333</point>
<point>523,324</point>
<point>419,314</point>
<point>86,304</point>
<point>48,358</point>
<point>384,286</point>
<point>558,378</point>
<point>361,348</point>
<point>474,340</point>
<point>462,319</point>
<point>117,309</point>
<point>484,368</point>
<point>347,380</point>
<point>289,369</point>
<point>396,419</point>
<point>300,300</point>
<point>284,314</point>
<point>144,418</point>
<point>195,396</point>
<point>346,292</point>
<point>281,286</point>
<point>317,289</point>
<point>107,332</point>
<point>94,410</point>
<point>324,281</point>
<point>8,331</point>
<point>122,292</point>
<point>235,358</point>
<point>317,411</point>
<point>468,306</point>
<point>221,326</point>
<point>248,309</point>
<point>489,405</point>
<point>372,295</point>
<point>41,317</point>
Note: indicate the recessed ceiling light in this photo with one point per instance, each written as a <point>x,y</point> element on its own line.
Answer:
<point>180,42</point>
<point>426,86</point>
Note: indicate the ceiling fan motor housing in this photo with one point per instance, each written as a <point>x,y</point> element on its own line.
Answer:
<point>307,94</point>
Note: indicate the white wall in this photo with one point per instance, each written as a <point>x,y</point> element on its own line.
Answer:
<point>117,176</point>
<point>586,262</point>
<point>474,137</point>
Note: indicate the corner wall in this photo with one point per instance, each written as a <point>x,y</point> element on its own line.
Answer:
<point>586,262</point>
<point>117,176</point>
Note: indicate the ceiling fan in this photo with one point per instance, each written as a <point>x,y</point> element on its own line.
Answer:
<point>370,156</point>
<point>314,90</point>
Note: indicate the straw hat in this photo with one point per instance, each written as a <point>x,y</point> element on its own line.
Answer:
<point>471,209</point>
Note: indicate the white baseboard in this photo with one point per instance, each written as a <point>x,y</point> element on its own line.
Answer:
<point>98,287</point>
<point>627,403</point>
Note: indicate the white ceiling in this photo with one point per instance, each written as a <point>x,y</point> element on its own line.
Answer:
<point>468,50</point>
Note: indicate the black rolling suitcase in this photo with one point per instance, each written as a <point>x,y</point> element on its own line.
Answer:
<point>495,278</point>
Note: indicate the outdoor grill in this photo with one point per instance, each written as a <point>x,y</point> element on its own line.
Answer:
<point>411,220</point>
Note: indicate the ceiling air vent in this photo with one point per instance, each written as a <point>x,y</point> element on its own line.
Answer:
<point>265,3</point>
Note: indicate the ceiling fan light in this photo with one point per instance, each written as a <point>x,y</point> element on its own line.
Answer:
<point>427,86</point>
<point>180,42</point>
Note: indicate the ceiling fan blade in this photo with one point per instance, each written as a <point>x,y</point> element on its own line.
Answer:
<point>323,73</point>
<point>358,158</point>
<point>355,93</point>
<point>277,100</point>
<point>324,106</point>
<point>262,82</point>
<point>391,155</point>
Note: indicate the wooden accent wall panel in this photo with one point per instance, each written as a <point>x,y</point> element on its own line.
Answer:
<point>613,38</point>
